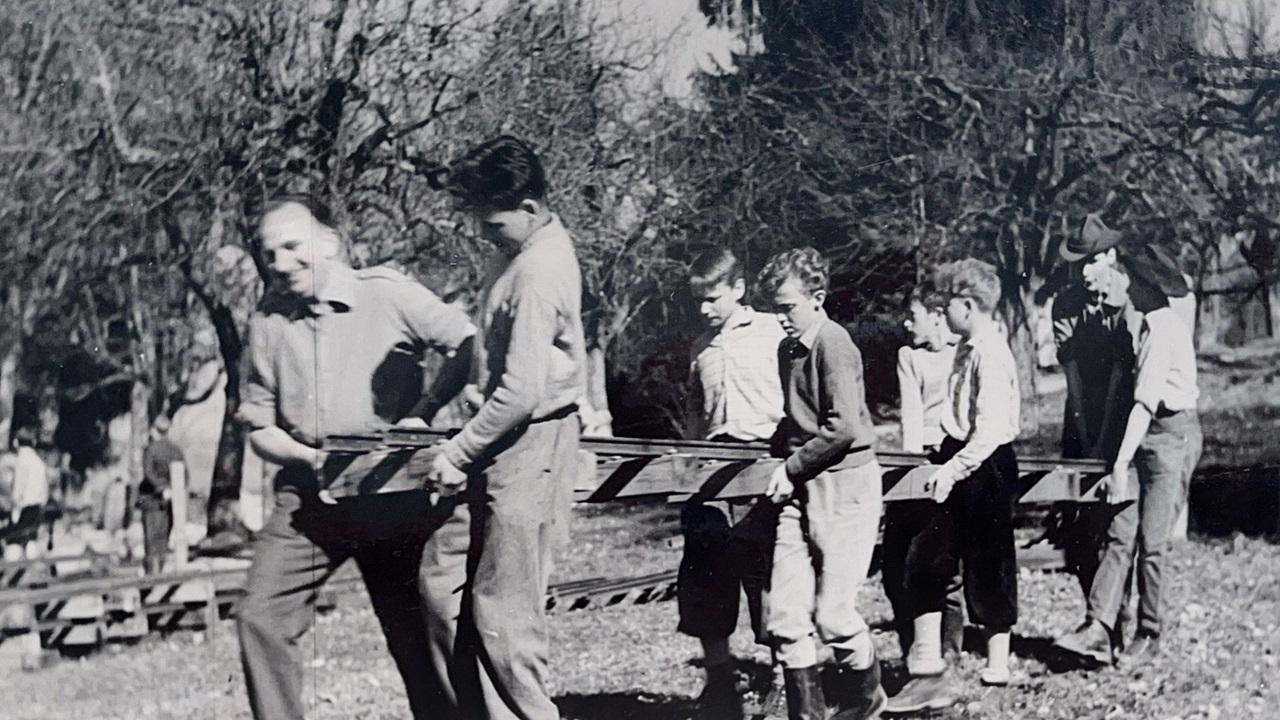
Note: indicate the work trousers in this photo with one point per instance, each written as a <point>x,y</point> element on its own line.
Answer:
<point>485,572</point>
<point>303,543</point>
<point>972,531</point>
<point>1164,463</point>
<point>719,556</point>
<point>826,536</point>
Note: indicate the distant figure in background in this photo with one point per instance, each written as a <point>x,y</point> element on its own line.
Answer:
<point>30,494</point>
<point>735,363</point>
<point>153,494</point>
<point>924,365</point>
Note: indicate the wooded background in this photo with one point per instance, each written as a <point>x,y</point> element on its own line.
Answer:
<point>139,140</point>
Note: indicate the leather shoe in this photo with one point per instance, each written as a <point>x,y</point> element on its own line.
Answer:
<point>1141,651</point>
<point>720,699</point>
<point>774,705</point>
<point>1089,644</point>
<point>927,692</point>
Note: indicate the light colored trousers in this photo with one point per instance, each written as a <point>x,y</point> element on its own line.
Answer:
<point>826,537</point>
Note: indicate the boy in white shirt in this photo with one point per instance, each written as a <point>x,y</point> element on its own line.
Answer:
<point>924,365</point>
<point>975,487</point>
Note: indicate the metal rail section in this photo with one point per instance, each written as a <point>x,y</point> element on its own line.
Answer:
<point>391,461</point>
<point>87,610</point>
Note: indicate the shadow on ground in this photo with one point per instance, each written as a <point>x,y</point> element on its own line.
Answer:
<point>1224,501</point>
<point>637,705</point>
<point>626,706</point>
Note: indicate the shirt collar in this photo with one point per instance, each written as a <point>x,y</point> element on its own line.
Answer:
<point>810,335</point>
<point>553,228</point>
<point>742,315</point>
<point>339,289</point>
<point>984,335</point>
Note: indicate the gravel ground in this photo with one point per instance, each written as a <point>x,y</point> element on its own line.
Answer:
<point>1221,656</point>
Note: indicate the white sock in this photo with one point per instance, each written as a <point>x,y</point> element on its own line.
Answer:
<point>925,657</point>
<point>997,656</point>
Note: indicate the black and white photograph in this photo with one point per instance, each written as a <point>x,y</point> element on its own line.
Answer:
<point>640,359</point>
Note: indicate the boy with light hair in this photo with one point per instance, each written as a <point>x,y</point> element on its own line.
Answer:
<point>975,486</point>
<point>829,498</point>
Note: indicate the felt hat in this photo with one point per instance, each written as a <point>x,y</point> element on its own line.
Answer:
<point>1094,237</point>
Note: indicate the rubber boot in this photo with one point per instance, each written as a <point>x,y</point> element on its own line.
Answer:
<point>857,694</point>
<point>805,700</point>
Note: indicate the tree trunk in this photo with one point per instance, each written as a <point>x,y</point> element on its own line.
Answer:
<point>8,388</point>
<point>224,493</point>
<point>1022,341</point>
<point>139,429</point>
<point>598,420</point>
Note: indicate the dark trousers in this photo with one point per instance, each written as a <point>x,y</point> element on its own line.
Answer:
<point>157,523</point>
<point>485,572</point>
<point>974,530</point>
<point>903,544</point>
<point>300,547</point>
<point>718,558</point>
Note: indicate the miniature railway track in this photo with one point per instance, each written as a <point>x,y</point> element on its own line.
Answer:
<point>105,601</point>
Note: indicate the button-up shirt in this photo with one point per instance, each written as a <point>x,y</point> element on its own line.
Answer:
<point>827,424</point>
<point>985,403</point>
<point>349,362</point>
<point>532,362</point>
<point>737,367</point>
<point>1166,363</point>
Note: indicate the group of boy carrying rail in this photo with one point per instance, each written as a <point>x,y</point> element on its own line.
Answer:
<point>457,577</point>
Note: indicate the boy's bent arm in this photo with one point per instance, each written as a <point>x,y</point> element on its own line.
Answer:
<point>522,384</point>
<point>842,395</point>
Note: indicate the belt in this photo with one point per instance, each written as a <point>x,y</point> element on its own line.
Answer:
<point>560,414</point>
<point>1164,412</point>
